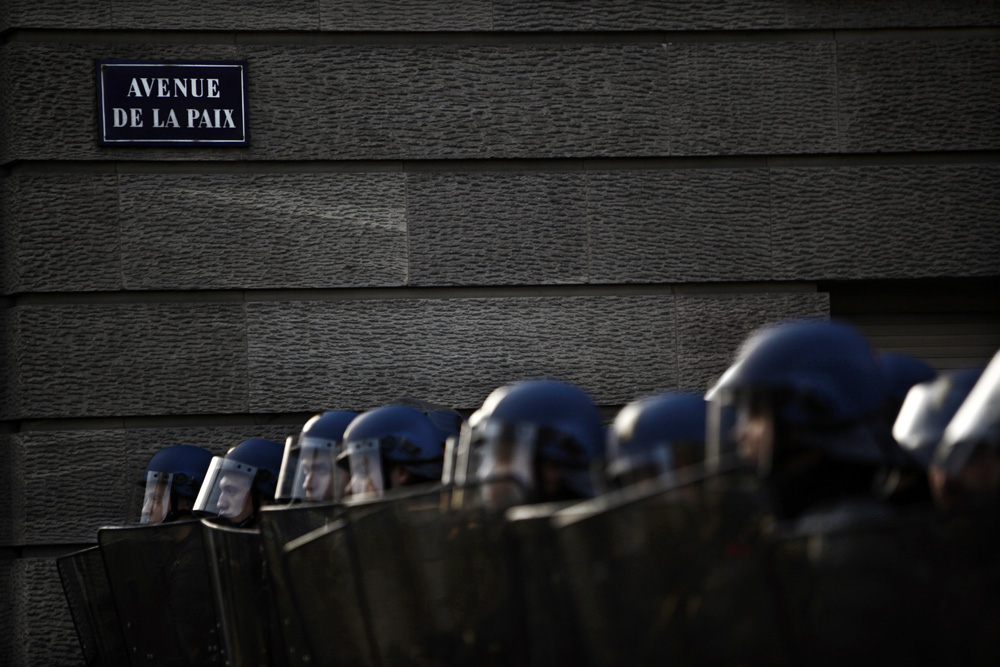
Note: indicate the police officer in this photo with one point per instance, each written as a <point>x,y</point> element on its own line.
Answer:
<point>653,437</point>
<point>309,468</point>
<point>809,399</point>
<point>966,465</point>
<point>240,482</point>
<point>388,448</point>
<point>171,481</point>
<point>539,437</point>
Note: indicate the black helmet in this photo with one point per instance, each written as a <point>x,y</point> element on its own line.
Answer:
<point>238,483</point>
<point>523,426</point>
<point>172,473</point>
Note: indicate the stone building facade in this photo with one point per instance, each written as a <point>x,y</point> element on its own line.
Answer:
<point>440,197</point>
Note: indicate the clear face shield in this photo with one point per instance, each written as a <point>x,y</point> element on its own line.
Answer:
<point>156,497</point>
<point>740,429</point>
<point>284,489</point>
<point>361,470</point>
<point>317,475</point>
<point>499,460</point>
<point>633,469</point>
<point>226,491</point>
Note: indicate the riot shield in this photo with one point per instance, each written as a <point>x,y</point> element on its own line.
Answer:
<point>279,525</point>
<point>552,634</point>
<point>967,571</point>
<point>858,591</point>
<point>88,594</point>
<point>162,590</point>
<point>670,574</point>
<point>242,594</point>
<point>325,585</point>
<point>402,612</point>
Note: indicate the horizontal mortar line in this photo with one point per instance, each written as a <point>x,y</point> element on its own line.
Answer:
<point>126,423</point>
<point>403,38</point>
<point>136,297</point>
<point>570,164</point>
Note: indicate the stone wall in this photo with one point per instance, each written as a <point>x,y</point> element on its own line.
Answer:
<point>439,198</point>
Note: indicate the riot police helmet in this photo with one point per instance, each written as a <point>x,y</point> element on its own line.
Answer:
<point>810,402</point>
<point>966,464</point>
<point>309,470</point>
<point>654,436</point>
<point>390,447</point>
<point>903,371</point>
<point>171,481</point>
<point>542,435</point>
<point>928,408</point>
<point>240,482</point>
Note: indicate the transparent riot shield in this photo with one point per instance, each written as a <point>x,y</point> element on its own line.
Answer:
<point>858,590</point>
<point>671,574</point>
<point>967,574</point>
<point>162,590</point>
<point>324,581</point>
<point>553,637</point>
<point>88,594</point>
<point>400,619</point>
<point>243,595</point>
<point>279,525</point>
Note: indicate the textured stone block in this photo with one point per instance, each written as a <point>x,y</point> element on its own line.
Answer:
<point>497,228</point>
<point>213,231</point>
<point>752,97</point>
<point>74,482</point>
<point>738,14</point>
<point>458,101</point>
<point>60,232</point>
<point>56,14</point>
<point>65,127</point>
<point>42,631</point>
<point>638,15</point>
<point>710,328</point>
<point>361,354</point>
<point>890,14</point>
<point>886,222</point>
<point>199,15</point>
<point>679,226</point>
<point>919,95</point>
<point>405,15</point>
<point>127,359</point>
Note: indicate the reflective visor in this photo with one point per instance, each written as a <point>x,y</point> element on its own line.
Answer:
<point>156,497</point>
<point>499,460</point>
<point>286,475</point>
<point>226,490</point>
<point>363,465</point>
<point>632,468</point>
<point>976,423</point>
<point>316,474</point>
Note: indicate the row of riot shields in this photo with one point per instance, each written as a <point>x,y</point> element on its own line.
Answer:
<point>693,571</point>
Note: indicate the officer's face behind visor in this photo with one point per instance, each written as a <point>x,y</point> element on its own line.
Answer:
<point>740,427</point>
<point>362,462</point>
<point>501,463</point>
<point>156,497</point>
<point>317,477</point>
<point>226,491</point>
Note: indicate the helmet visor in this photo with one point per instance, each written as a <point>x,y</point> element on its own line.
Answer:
<point>316,474</point>
<point>286,475</point>
<point>501,463</point>
<point>976,423</point>
<point>629,469</point>
<point>156,497</point>
<point>226,491</point>
<point>363,466</point>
